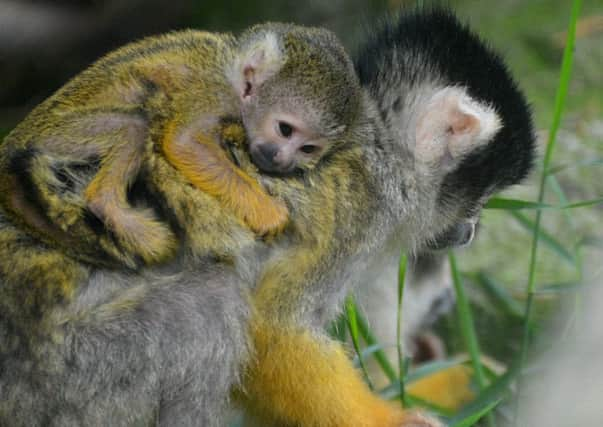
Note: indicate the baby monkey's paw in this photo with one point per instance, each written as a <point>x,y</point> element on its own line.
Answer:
<point>268,217</point>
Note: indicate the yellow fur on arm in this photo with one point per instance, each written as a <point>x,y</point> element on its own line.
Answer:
<point>207,167</point>
<point>299,379</point>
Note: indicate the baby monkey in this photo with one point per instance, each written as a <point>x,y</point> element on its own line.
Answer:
<point>289,92</point>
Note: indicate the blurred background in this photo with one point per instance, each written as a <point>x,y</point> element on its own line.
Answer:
<point>45,42</point>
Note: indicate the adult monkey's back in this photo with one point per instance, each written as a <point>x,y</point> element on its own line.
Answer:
<point>147,347</point>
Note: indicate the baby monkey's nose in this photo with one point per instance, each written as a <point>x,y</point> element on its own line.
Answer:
<point>264,156</point>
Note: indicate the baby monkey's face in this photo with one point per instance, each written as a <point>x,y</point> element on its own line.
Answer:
<point>282,142</point>
<point>299,93</point>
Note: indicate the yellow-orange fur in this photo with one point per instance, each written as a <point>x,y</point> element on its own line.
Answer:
<point>299,379</point>
<point>208,168</point>
<point>449,388</point>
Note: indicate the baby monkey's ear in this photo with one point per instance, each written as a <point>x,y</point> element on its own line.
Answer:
<point>257,59</point>
<point>451,126</point>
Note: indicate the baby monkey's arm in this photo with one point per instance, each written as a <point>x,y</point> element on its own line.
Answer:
<point>199,157</point>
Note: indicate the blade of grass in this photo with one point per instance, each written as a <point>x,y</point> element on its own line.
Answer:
<point>583,204</point>
<point>369,351</point>
<point>558,288</point>
<point>432,407</point>
<point>577,249</point>
<point>515,204</point>
<point>378,354</point>
<point>430,368</point>
<point>493,393</point>
<point>393,389</point>
<point>468,327</point>
<point>338,328</point>
<point>351,310</point>
<point>393,392</point>
<point>583,163</point>
<point>499,294</point>
<point>545,237</point>
<point>592,241</point>
<point>564,79</point>
<point>554,184</point>
<point>401,359</point>
<point>476,416</point>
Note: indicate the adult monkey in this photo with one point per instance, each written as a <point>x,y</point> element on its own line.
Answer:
<point>167,344</point>
<point>458,122</point>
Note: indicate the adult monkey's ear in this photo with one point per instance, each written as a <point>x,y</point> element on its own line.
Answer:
<point>451,125</point>
<point>256,61</point>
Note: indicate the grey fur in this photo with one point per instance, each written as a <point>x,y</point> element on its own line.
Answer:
<point>172,358</point>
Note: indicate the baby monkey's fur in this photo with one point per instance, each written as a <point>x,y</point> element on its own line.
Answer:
<point>67,169</point>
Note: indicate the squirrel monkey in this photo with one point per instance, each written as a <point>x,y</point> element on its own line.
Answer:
<point>294,90</point>
<point>171,344</point>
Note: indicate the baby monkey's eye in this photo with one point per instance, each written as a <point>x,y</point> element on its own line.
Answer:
<point>285,129</point>
<point>308,149</point>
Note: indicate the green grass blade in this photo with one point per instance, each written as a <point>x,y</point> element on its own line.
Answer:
<point>564,79</point>
<point>545,237</point>
<point>399,344</point>
<point>558,288</point>
<point>430,368</point>
<point>592,241</point>
<point>476,416</point>
<point>584,204</point>
<point>369,351</point>
<point>499,294</point>
<point>554,184</point>
<point>514,204</point>
<point>583,163</point>
<point>351,310</point>
<point>495,392</point>
<point>414,401</point>
<point>468,326</point>
<point>338,328</point>
<point>392,392</point>
<point>378,354</point>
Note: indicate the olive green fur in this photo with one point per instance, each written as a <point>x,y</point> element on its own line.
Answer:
<point>177,77</point>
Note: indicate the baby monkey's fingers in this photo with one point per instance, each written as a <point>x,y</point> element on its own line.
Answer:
<point>265,215</point>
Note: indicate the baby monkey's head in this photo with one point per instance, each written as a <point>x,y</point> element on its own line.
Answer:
<point>299,94</point>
